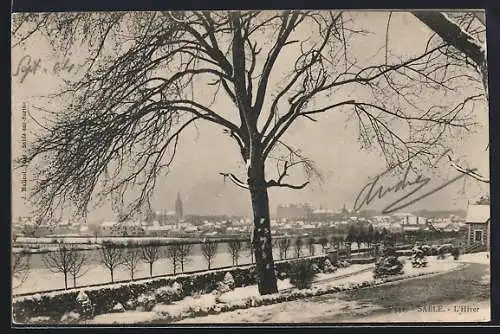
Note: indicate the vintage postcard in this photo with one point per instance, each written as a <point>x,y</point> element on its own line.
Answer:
<point>239,167</point>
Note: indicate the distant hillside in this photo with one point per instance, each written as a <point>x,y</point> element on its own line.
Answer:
<point>440,213</point>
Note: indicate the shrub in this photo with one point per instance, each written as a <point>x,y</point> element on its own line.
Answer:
<point>222,288</point>
<point>84,306</point>
<point>455,252</point>
<point>315,268</point>
<point>131,304</point>
<point>177,287</point>
<point>165,295</point>
<point>388,266</point>
<point>146,301</point>
<point>229,281</point>
<point>328,267</point>
<point>302,275</point>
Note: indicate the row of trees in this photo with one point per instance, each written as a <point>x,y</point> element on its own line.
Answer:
<point>71,261</point>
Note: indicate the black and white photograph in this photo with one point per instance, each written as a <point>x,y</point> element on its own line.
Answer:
<point>250,167</point>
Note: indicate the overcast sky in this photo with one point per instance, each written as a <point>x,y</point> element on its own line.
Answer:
<point>331,142</point>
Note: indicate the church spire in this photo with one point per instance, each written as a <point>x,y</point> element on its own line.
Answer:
<point>178,207</point>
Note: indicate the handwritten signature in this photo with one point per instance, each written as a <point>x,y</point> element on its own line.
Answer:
<point>28,65</point>
<point>373,190</point>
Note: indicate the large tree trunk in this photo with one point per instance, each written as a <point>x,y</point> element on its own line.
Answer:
<point>262,243</point>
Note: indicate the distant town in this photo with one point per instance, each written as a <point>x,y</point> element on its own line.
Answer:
<point>290,219</point>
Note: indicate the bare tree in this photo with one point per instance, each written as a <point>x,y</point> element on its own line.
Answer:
<point>184,252</point>
<point>111,257</point>
<point>249,246</point>
<point>311,242</point>
<point>462,34</point>
<point>465,35</point>
<point>283,246</point>
<point>208,250</point>
<point>299,243</point>
<point>151,253</point>
<point>20,267</point>
<point>60,260</point>
<point>131,259</point>
<point>78,262</point>
<point>323,241</point>
<point>129,110</point>
<point>235,247</point>
<point>172,253</point>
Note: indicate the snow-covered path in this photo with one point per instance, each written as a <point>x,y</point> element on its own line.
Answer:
<point>318,308</point>
<point>335,308</point>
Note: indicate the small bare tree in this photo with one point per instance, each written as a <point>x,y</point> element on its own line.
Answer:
<point>299,243</point>
<point>20,267</point>
<point>250,249</point>
<point>311,245</point>
<point>151,253</point>
<point>184,252</point>
<point>133,256</point>
<point>60,261</point>
<point>111,257</point>
<point>323,241</point>
<point>208,249</point>
<point>284,245</point>
<point>172,253</point>
<point>235,247</point>
<point>79,259</point>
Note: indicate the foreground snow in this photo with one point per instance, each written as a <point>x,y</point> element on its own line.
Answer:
<point>482,258</point>
<point>351,275</point>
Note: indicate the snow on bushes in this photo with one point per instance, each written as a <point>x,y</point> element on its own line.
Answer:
<point>146,302</point>
<point>118,308</point>
<point>70,318</point>
<point>328,267</point>
<point>102,299</point>
<point>172,314</point>
<point>222,288</point>
<point>167,294</point>
<point>302,274</point>
<point>84,305</point>
<point>229,280</point>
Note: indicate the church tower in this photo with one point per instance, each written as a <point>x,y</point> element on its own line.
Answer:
<point>178,207</point>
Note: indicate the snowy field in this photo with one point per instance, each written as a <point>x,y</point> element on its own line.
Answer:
<point>354,273</point>
<point>42,279</point>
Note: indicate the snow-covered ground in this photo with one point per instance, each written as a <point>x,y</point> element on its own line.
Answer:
<point>352,274</point>
<point>207,300</point>
<point>293,312</point>
<point>483,258</point>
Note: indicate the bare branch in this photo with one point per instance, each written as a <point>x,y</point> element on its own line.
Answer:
<point>470,172</point>
<point>235,180</point>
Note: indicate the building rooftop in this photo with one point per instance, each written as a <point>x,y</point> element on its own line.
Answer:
<point>478,213</point>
